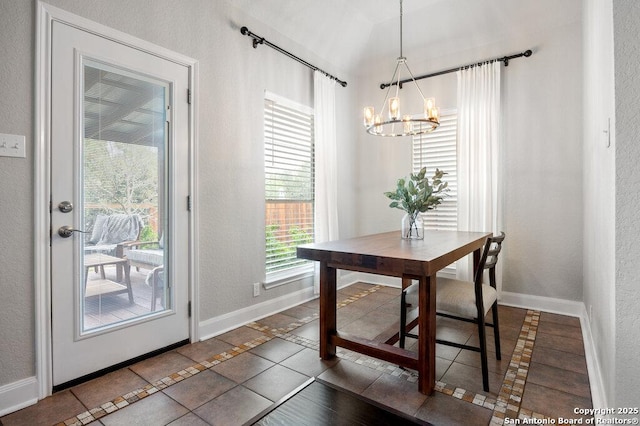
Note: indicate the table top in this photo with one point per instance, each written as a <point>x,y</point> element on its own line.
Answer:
<point>99,259</point>
<point>389,254</point>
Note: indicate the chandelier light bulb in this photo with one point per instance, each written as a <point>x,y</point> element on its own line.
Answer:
<point>394,108</point>
<point>369,113</point>
<point>378,120</point>
<point>434,114</point>
<point>406,121</point>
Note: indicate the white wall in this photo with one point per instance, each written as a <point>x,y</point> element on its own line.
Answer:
<point>233,78</point>
<point>626,18</point>
<point>17,318</point>
<point>542,145</point>
<point>599,185</point>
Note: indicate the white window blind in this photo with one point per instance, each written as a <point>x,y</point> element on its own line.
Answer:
<point>438,150</point>
<point>289,177</point>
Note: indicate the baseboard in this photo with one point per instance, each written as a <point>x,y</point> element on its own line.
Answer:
<point>547,304</point>
<point>574,309</point>
<point>346,279</point>
<point>229,321</point>
<point>18,395</point>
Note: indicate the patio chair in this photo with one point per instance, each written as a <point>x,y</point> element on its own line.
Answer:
<point>112,235</point>
<point>151,258</point>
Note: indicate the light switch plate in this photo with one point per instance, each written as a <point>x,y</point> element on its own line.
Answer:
<point>12,146</point>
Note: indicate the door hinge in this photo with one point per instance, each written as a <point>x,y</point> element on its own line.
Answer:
<point>189,203</point>
<point>189,308</point>
<point>189,96</point>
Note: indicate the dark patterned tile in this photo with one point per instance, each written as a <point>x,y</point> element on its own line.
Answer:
<point>276,350</point>
<point>560,343</point>
<point>240,335</point>
<point>441,409</point>
<point>277,321</point>
<point>551,402</point>
<point>55,408</point>
<point>397,393</point>
<point>158,367</point>
<point>559,329</point>
<point>199,389</point>
<point>235,407</point>
<point>276,382</point>
<point>308,362</point>
<point>104,389</point>
<point>546,317</point>
<point>370,325</point>
<point>301,311</point>
<point>559,379</point>
<point>564,360</point>
<point>157,409</point>
<point>472,359</point>
<point>510,316</point>
<point>242,367</point>
<point>309,331</point>
<point>189,419</point>
<point>350,376</point>
<point>202,351</point>
<point>470,379</point>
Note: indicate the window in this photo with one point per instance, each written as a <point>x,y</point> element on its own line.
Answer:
<point>438,150</point>
<point>289,180</point>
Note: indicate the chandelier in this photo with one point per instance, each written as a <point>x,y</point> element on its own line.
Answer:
<point>389,121</point>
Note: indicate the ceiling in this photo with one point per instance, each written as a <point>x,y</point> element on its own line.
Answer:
<point>345,32</point>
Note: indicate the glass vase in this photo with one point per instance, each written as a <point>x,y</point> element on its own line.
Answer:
<point>412,227</point>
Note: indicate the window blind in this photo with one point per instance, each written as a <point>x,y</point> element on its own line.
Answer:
<point>438,150</point>
<point>289,177</point>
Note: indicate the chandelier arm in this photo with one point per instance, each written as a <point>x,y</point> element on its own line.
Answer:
<point>399,74</point>
<point>386,96</point>
<point>412,79</point>
<point>401,55</point>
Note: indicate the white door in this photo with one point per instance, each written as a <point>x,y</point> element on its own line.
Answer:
<point>119,175</point>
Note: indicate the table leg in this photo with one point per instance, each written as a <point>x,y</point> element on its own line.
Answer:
<point>127,280</point>
<point>327,310</point>
<point>427,335</point>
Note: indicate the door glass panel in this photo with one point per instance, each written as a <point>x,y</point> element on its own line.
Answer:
<point>124,197</point>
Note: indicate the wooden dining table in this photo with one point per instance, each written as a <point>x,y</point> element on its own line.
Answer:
<point>390,255</point>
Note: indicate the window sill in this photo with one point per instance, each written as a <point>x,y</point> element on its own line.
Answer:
<point>278,279</point>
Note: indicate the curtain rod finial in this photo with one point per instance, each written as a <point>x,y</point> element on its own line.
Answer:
<point>528,53</point>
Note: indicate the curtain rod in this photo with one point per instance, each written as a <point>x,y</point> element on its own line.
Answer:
<point>504,59</point>
<point>261,40</point>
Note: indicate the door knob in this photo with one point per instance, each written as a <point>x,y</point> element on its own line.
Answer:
<point>65,206</point>
<point>66,231</point>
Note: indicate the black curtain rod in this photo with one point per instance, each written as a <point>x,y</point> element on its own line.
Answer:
<point>504,59</point>
<point>261,40</point>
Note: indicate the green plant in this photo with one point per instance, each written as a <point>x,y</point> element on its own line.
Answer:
<point>281,249</point>
<point>148,234</point>
<point>415,195</point>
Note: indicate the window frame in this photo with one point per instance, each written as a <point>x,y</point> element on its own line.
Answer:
<point>443,142</point>
<point>304,268</point>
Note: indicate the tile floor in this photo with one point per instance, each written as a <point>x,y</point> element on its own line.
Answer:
<point>228,379</point>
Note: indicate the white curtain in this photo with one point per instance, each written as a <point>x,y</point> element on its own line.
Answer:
<point>326,173</point>
<point>479,132</point>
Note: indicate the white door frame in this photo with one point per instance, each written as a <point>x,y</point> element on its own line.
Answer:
<point>46,15</point>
